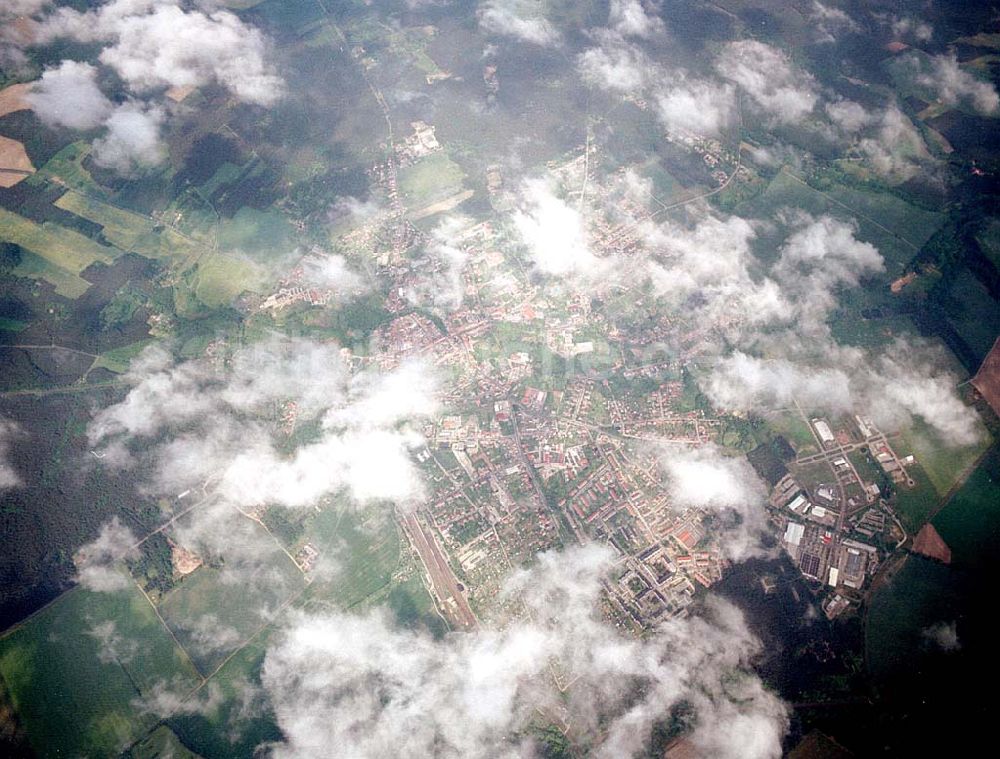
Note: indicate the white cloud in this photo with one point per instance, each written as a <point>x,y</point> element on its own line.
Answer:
<point>896,150</point>
<point>155,43</point>
<point>520,19</point>
<point>68,95</point>
<point>829,21</point>
<point>944,635</point>
<point>706,478</point>
<point>820,256</point>
<point>954,85</point>
<point>332,272</point>
<point>712,262</point>
<point>697,105</point>
<point>9,478</point>
<point>848,115</point>
<point>14,8</point>
<point>629,18</point>
<point>912,378</point>
<point>436,281</point>
<point>363,445</point>
<point>555,234</point>
<point>766,75</point>
<point>97,562</point>
<point>114,647</point>
<point>615,65</point>
<point>906,26</point>
<point>132,139</point>
<point>908,379</point>
<point>741,383</point>
<point>358,683</point>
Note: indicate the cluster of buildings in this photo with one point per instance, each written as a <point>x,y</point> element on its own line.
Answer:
<point>833,524</point>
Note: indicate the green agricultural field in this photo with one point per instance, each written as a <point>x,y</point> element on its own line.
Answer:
<point>66,284</point>
<point>214,611</point>
<point>65,248</point>
<point>66,169</point>
<point>914,505</point>
<point>12,325</point>
<point>118,359</point>
<point>362,555</point>
<point>78,695</point>
<point>892,225</point>
<point>262,235</point>
<point>162,742</point>
<point>943,464</point>
<point>972,312</point>
<point>226,174</point>
<point>131,231</point>
<point>989,240</point>
<point>917,225</point>
<point>230,728</point>
<point>122,228</point>
<point>795,430</point>
<point>221,278</point>
<point>429,180</point>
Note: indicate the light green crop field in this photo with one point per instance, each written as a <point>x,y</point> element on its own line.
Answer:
<point>795,430</point>
<point>65,248</point>
<point>118,359</point>
<point>429,180</point>
<point>944,464</point>
<point>66,284</point>
<point>230,729</point>
<point>122,228</point>
<point>221,278</point>
<point>897,228</point>
<point>213,612</point>
<point>77,671</point>
<point>133,232</point>
<point>65,168</point>
<point>364,556</point>
<point>259,234</point>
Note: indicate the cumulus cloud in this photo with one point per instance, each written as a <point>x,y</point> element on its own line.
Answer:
<point>155,43</point>
<point>630,18</point>
<point>896,150</point>
<point>912,378</point>
<point>944,635</point>
<point>16,8</point>
<point>97,563</point>
<point>829,22</point>
<point>114,647</point>
<point>820,256</point>
<point>68,95</point>
<point>436,281</point>
<point>357,682</point>
<point>520,19</point>
<point>908,379</point>
<point>953,85</point>
<point>769,78</point>
<point>908,27</point>
<point>741,383</point>
<point>727,486</point>
<point>615,65</point>
<point>212,430</point>
<point>697,105</point>
<point>555,233</point>
<point>851,117</point>
<point>9,477</point>
<point>332,272</point>
<point>132,139</point>
<point>707,268</point>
